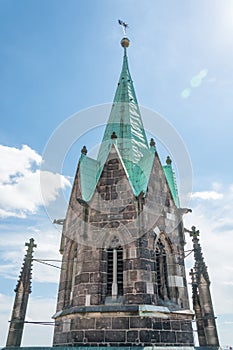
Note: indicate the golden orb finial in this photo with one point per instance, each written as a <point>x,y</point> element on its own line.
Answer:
<point>125,42</point>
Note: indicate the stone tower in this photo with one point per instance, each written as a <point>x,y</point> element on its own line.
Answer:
<point>123,278</point>
<point>22,290</point>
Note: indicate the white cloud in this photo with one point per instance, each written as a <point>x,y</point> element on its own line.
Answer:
<point>20,191</point>
<point>8,214</point>
<point>16,162</point>
<point>212,195</point>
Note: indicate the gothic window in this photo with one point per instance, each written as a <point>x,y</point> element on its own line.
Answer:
<point>115,271</point>
<point>73,279</point>
<point>162,271</point>
<point>70,274</point>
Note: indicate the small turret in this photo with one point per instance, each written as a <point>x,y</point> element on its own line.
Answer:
<point>202,301</point>
<point>23,289</point>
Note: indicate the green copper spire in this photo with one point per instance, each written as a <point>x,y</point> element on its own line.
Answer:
<point>125,131</point>
<point>125,121</point>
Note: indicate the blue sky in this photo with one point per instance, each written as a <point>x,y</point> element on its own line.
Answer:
<point>58,58</point>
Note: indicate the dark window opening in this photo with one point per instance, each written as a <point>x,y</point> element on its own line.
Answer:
<point>120,271</point>
<point>162,272</point>
<point>109,271</point>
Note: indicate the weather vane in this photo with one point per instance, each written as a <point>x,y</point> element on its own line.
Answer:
<point>124,26</point>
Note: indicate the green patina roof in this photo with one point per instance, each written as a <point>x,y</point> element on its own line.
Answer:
<point>89,169</point>
<point>170,176</point>
<point>125,120</point>
<point>131,143</point>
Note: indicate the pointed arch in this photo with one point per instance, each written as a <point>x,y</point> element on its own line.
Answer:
<point>163,249</point>
<point>114,267</point>
<point>70,273</point>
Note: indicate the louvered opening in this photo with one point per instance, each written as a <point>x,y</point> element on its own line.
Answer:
<point>119,271</point>
<point>109,271</point>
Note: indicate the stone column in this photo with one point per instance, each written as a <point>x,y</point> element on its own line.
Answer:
<point>208,314</point>
<point>114,279</point>
<point>198,311</point>
<point>203,286</point>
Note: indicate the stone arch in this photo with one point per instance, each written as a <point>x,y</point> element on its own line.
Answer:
<point>113,248</point>
<point>121,233</point>
<point>163,255</point>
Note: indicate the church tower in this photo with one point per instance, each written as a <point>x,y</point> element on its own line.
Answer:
<point>123,279</point>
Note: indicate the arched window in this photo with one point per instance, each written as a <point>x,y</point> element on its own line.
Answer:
<point>162,271</point>
<point>70,274</point>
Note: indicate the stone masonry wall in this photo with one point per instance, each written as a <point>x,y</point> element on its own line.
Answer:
<point>116,215</point>
<point>124,330</point>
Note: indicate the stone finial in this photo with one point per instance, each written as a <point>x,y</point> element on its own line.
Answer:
<point>84,150</point>
<point>194,232</point>
<point>114,136</point>
<point>25,274</point>
<point>152,142</point>
<point>168,160</point>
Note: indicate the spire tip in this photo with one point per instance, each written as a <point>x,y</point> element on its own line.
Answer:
<point>125,42</point>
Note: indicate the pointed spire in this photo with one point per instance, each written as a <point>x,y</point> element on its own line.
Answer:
<point>171,179</point>
<point>25,275</point>
<point>203,307</point>
<point>125,120</point>
<point>23,289</point>
<point>200,265</point>
<point>126,132</point>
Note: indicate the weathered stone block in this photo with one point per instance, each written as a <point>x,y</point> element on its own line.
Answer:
<point>140,287</point>
<point>184,337</point>
<point>115,336</point>
<point>89,267</point>
<point>166,324</point>
<point>168,337</point>
<point>76,336</point>
<point>86,323</point>
<point>96,336</point>
<point>140,322</point>
<point>133,275</point>
<point>82,278</point>
<point>175,325</point>
<point>120,323</point>
<point>157,324</point>
<point>132,336</point>
<point>186,326</point>
<point>104,323</point>
<point>149,336</point>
